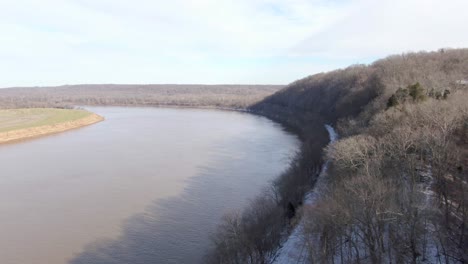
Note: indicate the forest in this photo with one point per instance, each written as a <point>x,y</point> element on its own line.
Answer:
<point>396,190</point>
<point>67,96</point>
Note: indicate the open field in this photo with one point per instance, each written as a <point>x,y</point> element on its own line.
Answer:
<point>18,124</point>
<point>13,119</point>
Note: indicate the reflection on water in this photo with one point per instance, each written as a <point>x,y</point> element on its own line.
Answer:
<point>148,185</point>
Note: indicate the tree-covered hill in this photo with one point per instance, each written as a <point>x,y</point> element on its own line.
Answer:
<point>397,189</point>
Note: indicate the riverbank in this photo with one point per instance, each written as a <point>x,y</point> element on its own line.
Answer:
<point>20,124</point>
<point>293,249</point>
<point>265,224</point>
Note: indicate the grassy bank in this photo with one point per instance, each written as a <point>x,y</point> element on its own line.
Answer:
<point>17,124</point>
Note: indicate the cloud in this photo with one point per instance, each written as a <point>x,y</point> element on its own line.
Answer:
<point>378,28</point>
<point>53,42</point>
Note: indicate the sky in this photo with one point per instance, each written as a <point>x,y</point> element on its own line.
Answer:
<point>56,42</point>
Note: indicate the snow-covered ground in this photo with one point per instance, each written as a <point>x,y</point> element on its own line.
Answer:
<point>294,249</point>
<point>431,252</point>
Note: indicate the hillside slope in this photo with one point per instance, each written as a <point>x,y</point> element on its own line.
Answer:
<point>349,92</point>
<point>396,189</point>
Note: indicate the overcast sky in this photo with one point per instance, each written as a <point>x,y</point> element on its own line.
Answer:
<point>54,42</point>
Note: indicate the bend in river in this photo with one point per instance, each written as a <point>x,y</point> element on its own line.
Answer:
<point>148,185</point>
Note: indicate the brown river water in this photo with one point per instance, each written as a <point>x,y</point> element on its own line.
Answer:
<point>147,185</point>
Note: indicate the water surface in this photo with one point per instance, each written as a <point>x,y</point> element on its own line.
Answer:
<point>147,185</point>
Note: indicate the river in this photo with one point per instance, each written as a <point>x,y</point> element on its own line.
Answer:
<point>147,185</point>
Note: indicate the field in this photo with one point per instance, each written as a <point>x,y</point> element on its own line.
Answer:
<point>15,119</point>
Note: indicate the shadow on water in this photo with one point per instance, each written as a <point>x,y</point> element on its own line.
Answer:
<point>169,231</point>
<point>177,229</point>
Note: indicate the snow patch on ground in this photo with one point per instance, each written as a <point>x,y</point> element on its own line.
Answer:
<point>431,254</point>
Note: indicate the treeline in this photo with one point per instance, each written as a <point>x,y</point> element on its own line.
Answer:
<point>217,96</point>
<point>397,190</point>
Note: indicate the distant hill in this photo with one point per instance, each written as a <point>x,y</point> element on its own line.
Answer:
<point>220,96</point>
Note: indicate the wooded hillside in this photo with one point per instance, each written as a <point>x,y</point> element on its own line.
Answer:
<point>364,90</point>
<point>397,190</point>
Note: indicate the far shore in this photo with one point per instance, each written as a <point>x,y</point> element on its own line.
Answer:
<point>37,131</point>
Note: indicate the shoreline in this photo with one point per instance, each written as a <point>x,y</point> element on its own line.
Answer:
<point>33,132</point>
